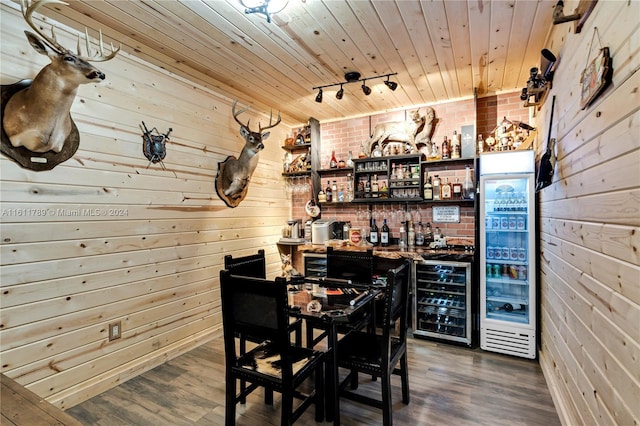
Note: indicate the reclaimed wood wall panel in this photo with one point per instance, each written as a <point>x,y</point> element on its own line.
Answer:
<point>590,227</point>
<point>105,236</point>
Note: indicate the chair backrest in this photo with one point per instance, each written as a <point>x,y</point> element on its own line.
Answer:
<point>253,306</point>
<point>396,305</point>
<point>253,265</point>
<point>356,266</point>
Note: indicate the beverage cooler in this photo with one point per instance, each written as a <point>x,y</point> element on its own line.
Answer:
<point>442,300</point>
<point>507,253</point>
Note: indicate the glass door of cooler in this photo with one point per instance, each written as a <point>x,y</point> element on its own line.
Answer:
<point>442,300</point>
<point>507,284</point>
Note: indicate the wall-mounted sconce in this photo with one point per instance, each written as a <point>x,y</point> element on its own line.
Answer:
<point>354,77</point>
<point>539,80</point>
<point>264,7</point>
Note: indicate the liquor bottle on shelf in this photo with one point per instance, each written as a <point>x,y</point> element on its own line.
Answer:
<point>384,234</point>
<point>341,193</point>
<point>328,192</point>
<point>445,190</point>
<point>445,149</point>
<point>373,233</point>
<point>367,188</point>
<point>334,192</point>
<point>420,235</point>
<point>456,189</point>
<point>349,159</point>
<point>480,144</point>
<point>402,243</point>
<point>427,192</point>
<point>468,188</point>
<point>393,172</point>
<point>333,164</point>
<point>375,188</point>
<point>456,146</point>
<point>436,187</point>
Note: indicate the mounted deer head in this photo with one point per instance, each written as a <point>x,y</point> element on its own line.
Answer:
<point>37,117</point>
<point>232,180</point>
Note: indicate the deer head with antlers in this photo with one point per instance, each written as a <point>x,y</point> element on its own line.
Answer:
<point>232,180</point>
<point>37,117</point>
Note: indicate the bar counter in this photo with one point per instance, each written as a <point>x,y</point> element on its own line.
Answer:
<point>394,252</point>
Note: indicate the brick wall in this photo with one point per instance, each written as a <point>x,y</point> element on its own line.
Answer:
<point>351,134</point>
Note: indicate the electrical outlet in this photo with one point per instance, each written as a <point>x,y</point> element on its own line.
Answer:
<point>115,330</point>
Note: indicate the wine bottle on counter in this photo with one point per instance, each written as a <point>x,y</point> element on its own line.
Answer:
<point>384,234</point>
<point>411,234</point>
<point>328,192</point>
<point>373,233</point>
<point>420,235</point>
<point>428,234</point>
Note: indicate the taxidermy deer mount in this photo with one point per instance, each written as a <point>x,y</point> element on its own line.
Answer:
<point>232,180</point>
<point>36,121</point>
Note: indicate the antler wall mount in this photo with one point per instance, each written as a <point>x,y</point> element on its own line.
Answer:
<point>234,174</point>
<point>37,129</point>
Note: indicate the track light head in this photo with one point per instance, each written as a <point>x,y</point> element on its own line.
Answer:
<point>319,96</point>
<point>366,89</point>
<point>340,93</point>
<point>391,84</point>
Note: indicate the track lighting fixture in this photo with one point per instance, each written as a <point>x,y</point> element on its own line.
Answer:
<point>366,89</point>
<point>354,77</point>
<point>391,84</point>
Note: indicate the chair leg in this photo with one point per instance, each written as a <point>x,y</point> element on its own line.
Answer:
<point>319,398</point>
<point>287,407</point>
<point>309,336</point>
<point>268,396</point>
<point>354,379</point>
<point>230,402</point>
<point>404,377</point>
<point>298,335</point>
<point>387,419</point>
<point>243,384</point>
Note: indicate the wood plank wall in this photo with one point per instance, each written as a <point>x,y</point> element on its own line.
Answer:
<point>105,237</point>
<point>590,218</point>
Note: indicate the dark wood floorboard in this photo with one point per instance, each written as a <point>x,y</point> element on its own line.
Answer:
<point>449,385</point>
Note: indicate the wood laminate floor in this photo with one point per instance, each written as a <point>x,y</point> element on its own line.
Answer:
<point>449,385</point>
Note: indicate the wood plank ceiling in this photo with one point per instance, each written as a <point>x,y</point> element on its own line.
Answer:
<point>441,50</point>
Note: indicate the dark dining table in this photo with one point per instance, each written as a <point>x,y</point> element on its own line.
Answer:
<point>332,319</point>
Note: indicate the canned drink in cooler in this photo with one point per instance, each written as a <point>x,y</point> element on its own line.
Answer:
<point>522,272</point>
<point>512,222</point>
<point>513,253</point>
<point>495,222</point>
<point>491,252</point>
<point>497,253</point>
<point>522,254</point>
<point>488,222</point>
<point>520,223</point>
<point>513,272</point>
<point>505,253</point>
<point>504,222</point>
<point>496,271</point>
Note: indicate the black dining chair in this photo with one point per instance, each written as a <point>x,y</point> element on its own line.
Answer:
<point>356,266</point>
<point>255,265</point>
<point>380,354</point>
<point>258,307</point>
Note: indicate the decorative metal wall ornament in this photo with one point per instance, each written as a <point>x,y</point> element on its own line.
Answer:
<point>232,180</point>
<point>596,76</point>
<point>154,147</point>
<point>38,132</point>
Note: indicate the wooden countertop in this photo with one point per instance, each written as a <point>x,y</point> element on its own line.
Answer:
<point>20,406</point>
<point>390,252</point>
